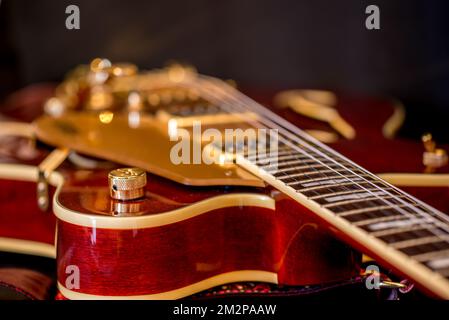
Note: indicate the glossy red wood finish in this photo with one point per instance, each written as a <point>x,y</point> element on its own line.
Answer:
<point>20,217</point>
<point>370,148</point>
<point>153,260</point>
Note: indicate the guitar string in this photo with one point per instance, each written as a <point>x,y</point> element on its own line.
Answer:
<point>316,151</point>
<point>306,145</point>
<point>314,170</point>
<point>289,142</point>
<point>311,139</point>
<point>356,205</point>
<point>429,227</point>
<point>329,189</point>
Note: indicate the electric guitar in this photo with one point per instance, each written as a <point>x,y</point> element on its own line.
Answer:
<point>245,217</point>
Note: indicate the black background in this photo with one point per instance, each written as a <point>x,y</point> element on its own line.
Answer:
<point>265,44</point>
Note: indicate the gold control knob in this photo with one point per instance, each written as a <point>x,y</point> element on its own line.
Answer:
<point>127,183</point>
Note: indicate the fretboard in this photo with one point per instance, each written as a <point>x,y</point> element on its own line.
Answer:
<point>412,236</point>
<point>349,192</point>
<point>348,195</point>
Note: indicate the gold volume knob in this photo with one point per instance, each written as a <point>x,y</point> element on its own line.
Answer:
<point>127,183</point>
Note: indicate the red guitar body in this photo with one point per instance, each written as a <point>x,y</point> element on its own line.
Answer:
<point>150,260</point>
<point>171,260</point>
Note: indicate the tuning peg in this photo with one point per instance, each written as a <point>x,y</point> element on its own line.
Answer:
<point>123,69</point>
<point>178,72</point>
<point>100,98</point>
<point>99,64</point>
<point>166,97</point>
<point>428,142</point>
<point>134,102</point>
<point>153,99</point>
<point>433,157</point>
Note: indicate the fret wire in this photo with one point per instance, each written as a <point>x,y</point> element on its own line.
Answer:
<point>308,140</point>
<point>339,185</point>
<point>336,204</point>
<point>323,188</point>
<point>390,196</point>
<point>368,202</point>
<point>404,233</point>
<point>423,257</point>
<point>415,242</point>
<point>383,233</point>
<point>248,105</point>
<point>317,171</point>
<point>349,197</point>
<point>296,156</point>
<point>287,154</point>
<point>308,143</point>
<point>314,168</point>
<point>299,182</point>
<point>381,199</point>
<point>321,172</point>
<point>363,210</point>
<point>289,176</point>
<point>398,223</point>
<point>254,155</point>
<point>279,160</point>
<point>291,156</point>
<point>294,162</point>
<point>395,196</point>
<point>380,219</point>
<point>282,178</point>
<point>436,246</point>
<point>319,179</point>
<point>321,196</point>
<point>297,175</point>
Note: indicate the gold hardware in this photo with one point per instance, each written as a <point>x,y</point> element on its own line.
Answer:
<point>54,107</point>
<point>154,99</point>
<point>127,183</point>
<point>99,64</point>
<point>120,142</point>
<point>100,98</point>
<point>134,102</point>
<point>433,157</point>
<point>392,284</point>
<point>316,104</point>
<point>395,121</point>
<point>179,71</point>
<point>126,208</point>
<point>428,142</point>
<point>106,117</point>
<point>45,168</point>
<point>123,69</point>
<point>385,282</point>
<point>42,191</point>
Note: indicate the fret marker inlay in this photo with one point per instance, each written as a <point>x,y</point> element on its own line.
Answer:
<point>354,196</point>
<point>395,224</point>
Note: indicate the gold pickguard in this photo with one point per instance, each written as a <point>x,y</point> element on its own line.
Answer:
<point>146,146</point>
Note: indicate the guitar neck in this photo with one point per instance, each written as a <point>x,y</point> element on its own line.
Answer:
<point>408,234</point>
